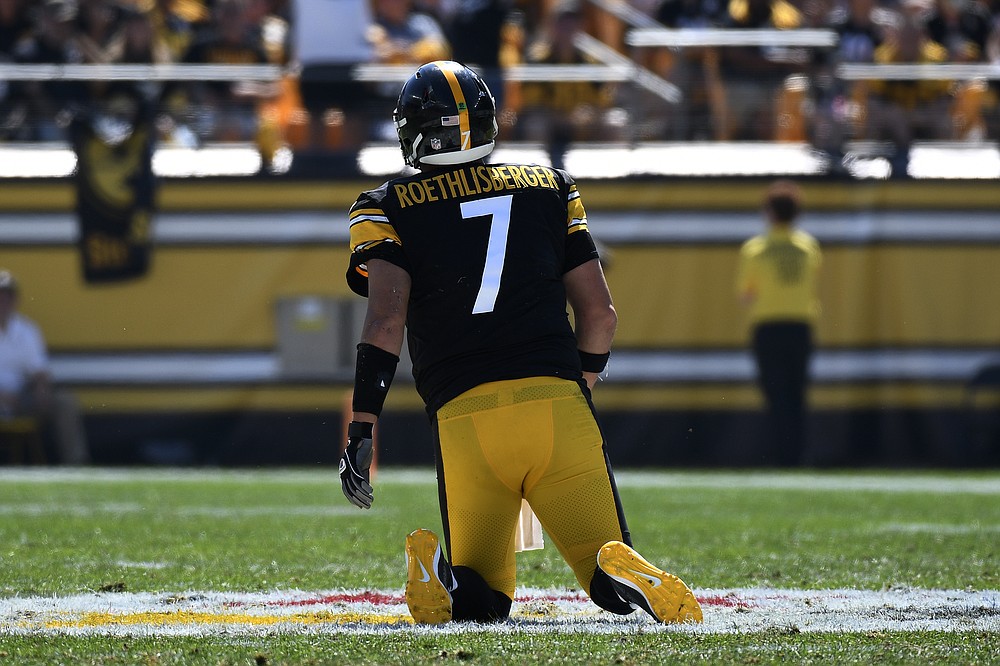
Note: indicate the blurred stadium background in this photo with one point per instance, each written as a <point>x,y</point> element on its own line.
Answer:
<point>214,326</point>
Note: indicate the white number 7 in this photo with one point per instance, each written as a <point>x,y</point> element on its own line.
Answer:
<point>498,209</point>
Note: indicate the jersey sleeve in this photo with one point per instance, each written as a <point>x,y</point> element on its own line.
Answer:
<point>746,280</point>
<point>372,237</point>
<point>580,246</point>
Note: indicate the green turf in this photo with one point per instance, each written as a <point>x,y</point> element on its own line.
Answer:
<point>903,648</point>
<point>281,530</point>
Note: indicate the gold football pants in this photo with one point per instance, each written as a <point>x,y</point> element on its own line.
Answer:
<point>535,438</point>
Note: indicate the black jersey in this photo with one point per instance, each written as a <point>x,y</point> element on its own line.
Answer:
<point>486,247</point>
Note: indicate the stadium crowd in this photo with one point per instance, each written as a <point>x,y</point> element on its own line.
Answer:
<point>730,93</point>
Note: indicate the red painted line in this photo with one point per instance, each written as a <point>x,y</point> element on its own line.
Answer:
<point>368,596</point>
<point>725,601</point>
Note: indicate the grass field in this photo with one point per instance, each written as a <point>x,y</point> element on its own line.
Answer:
<point>253,567</point>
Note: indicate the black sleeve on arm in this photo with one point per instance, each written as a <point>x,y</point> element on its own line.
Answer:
<point>373,375</point>
<point>357,271</point>
<point>580,249</point>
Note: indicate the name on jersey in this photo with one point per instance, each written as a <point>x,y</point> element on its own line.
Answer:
<point>474,180</point>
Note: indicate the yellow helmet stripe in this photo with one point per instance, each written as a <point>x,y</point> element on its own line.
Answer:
<point>463,107</point>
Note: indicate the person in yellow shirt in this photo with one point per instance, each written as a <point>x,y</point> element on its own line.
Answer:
<point>777,281</point>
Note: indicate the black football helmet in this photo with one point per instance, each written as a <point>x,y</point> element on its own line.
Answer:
<point>445,115</point>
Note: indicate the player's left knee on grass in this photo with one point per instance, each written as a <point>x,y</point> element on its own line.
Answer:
<point>602,593</point>
<point>475,601</point>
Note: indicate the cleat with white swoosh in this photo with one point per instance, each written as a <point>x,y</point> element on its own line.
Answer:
<point>429,579</point>
<point>662,595</point>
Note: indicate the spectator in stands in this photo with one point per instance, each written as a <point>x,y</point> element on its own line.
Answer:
<point>858,33</point>
<point>173,23</point>
<point>15,37</point>
<point>689,13</point>
<point>992,120</point>
<point>334,109</point>
<point>752,75</point>
<point>15,27</point>
<point>115,33</point>
<point>228,110</point>
<point>839,107</point>
<point>53,41</point>
<point>777,280</point>
<point>693,70</point>
<point>139,43</point>
<point>26,389</point>
<point>961,26</point>
<point>903,110</point>
<point>401,35</point>
<point>99,31</point>
<point>476,33</point>
<point>964,28</point>
<point>272,19</point>
<point>558,113</point>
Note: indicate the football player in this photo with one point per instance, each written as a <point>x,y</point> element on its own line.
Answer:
<point>478,262</point>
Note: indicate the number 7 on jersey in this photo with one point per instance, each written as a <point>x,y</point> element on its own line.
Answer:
<point>498,210</point>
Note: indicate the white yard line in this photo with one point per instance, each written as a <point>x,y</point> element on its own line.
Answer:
<point>339,611</point>
<point>888,482</point>
<point>936,528</point>
<point>849,482</point>
<point>222,512</point>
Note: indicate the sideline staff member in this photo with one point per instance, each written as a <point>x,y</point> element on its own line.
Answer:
<point>25,381</point>
<point>778,275</point>
<point>478,262</point>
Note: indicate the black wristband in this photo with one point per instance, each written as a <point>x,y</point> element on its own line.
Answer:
<point>593,362</point>
<point>360,429</point>
<point>373,375</point>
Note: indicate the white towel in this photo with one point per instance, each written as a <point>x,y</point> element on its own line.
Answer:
<point>528,534</point>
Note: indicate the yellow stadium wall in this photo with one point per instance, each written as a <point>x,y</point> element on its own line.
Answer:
<point>667,296</point>
<point>670,296</point>
<point>871,295</point>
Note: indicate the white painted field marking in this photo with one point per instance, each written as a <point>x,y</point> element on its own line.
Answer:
<point>291,612</point>
<point>224,512</point>
<point>128,564</point>
<point>936,528</point>
<point>882,483</point>
<point>888,482</point>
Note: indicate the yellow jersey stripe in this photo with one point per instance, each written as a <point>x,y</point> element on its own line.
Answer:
<point>576,218</point>
<point>367,231</point>
<point>463,107</point>
<point>366,211</point>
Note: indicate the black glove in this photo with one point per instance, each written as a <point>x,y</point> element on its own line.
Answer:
<point>355,479</point>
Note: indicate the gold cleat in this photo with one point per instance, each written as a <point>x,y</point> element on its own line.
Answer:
<point>662,595</point>
<point>429,579</point>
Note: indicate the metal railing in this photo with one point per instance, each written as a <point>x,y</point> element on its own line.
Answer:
<point>922,72</point>
<point>137,72</point>
<point>695,37</point>
<point>613,68</point>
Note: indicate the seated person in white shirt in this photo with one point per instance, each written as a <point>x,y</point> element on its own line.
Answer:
<point>26,382</point>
